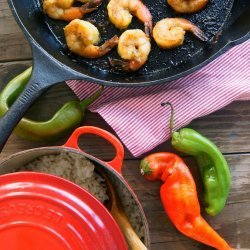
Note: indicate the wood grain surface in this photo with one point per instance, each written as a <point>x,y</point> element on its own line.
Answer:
<point>229,128</point>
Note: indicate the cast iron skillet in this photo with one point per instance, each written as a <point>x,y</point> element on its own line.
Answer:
<point>53,63</point>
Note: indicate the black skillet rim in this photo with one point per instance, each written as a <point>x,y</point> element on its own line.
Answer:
<point>227,45</point>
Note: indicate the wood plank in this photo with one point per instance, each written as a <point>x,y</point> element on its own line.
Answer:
<point>13,44</point>
<point>228,128</point>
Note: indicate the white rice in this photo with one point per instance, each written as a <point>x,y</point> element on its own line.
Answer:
<point>73,167</point>
<point>78,169</point>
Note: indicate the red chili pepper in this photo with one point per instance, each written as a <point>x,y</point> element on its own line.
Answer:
<point>179,197</point>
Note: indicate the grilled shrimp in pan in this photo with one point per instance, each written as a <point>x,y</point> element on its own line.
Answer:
<point>134,47</point>
<point>64,9</point>
<point>120,14</point>
<point>187,6</point>
<point>169,33</point>
<point>82,38</point>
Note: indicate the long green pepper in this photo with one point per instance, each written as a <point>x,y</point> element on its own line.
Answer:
<point>212,164</point>
<point>67,118</point>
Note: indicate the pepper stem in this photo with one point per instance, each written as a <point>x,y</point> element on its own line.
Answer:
<point>86,102</point>
<point>171,122</point>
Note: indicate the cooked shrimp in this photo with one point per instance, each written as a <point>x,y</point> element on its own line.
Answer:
<point>64,10</point>
<point>120,13</point>
<point>134,46</point>
<point>82,38</point>
<point>187,6</point>
<point>169,33</point>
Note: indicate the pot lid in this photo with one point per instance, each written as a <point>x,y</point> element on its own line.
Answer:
<point>42,212</point>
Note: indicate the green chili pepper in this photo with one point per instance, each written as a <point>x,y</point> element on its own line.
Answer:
<point>212,164</point>
<point>67,118</point>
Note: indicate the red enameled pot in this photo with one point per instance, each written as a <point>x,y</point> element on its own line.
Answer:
<point>52,213</point>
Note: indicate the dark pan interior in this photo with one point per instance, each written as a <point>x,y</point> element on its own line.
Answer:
<point>162,64</point>
<point>210,20</point>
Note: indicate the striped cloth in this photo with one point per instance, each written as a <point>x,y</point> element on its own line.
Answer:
<point>137,116</point>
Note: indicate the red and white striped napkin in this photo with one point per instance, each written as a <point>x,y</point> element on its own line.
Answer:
<point>137,116</point>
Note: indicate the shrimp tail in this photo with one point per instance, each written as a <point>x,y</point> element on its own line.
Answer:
<point>118,64</point>
<point>107,46</point>
<point>127,66</point>
<point>148,28</point>
<point>90,6</point>
<point>200,34</point>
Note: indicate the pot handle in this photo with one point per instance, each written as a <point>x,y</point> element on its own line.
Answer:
<point>116,163</point>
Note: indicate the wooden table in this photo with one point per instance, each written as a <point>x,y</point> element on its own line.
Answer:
<point>229,128</point>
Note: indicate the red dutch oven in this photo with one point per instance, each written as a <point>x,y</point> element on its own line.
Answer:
<point>41,211</point>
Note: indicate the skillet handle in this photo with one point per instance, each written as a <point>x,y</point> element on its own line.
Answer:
<point>45,69</point>
<point>116,163</point>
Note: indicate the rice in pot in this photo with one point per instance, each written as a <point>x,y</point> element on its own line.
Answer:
<point>73,167</point>
<point>78,169</point>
